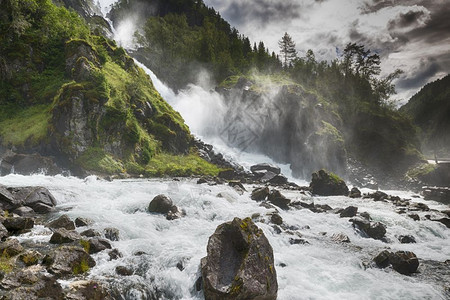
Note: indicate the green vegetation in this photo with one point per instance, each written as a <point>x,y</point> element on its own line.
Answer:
<point>81,267</point>
<point>20,126</point>
<point>429,109</point>
<point>185,35</point>
<point>95,159</point>
<point>6,263</point>
<point>84,96</point>
<point>85,244</point>
<point>420,171</point>
<point>179,165</point>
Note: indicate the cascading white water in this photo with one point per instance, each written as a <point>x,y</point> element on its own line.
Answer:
<point>322,269</point>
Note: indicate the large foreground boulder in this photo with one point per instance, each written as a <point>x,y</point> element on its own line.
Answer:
<point>239,263</point>
<point>328,184</point>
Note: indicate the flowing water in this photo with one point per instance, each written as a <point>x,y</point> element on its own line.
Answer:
<point>322,269</point>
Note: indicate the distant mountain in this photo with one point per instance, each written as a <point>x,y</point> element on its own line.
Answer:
<point>430,111</point>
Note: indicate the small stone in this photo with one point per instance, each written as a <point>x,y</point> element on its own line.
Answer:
<point>124,271</point>
<point>407,239</point>
<point>260,194</point>
<point>90,233</point>
<point>404,262</point>
<point>62,222</point>
<point>63,236</point>
<point>111,233</point>
<point>349,212</point>
<point>355,193</point>
<point>382,259</point>
<point>340,238</point>
<point>24,211</point>
<point>30,257</point>
<point>376,231</point>
<point>236,183</point>
<point>10,247</point>
<point>415,217</point>
<point>114,254</point>
<point>82,222</point>
<point>98,244</point>
<point>298,241</point>
<point>276,219</point>
<point>160,204</point>
<point>278,199</point>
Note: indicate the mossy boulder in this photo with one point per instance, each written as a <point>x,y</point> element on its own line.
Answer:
<point>239,263</point>
<point>68,260</point>
<point>325,183</point>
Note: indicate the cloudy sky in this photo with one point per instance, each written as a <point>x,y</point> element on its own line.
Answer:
<point>413,35</point>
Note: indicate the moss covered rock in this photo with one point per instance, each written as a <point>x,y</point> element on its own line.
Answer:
<point>325,183</point>
<point>239,263</point>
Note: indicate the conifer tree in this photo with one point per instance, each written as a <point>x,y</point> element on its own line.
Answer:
<point>287,50</point>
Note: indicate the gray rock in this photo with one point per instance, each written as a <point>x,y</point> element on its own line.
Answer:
<point>87,290</point>
<point>7,199</point>
<point>62,222</point>
<point>382,259</point>
<point>18,224</point>
<point>407,239</point>
<point>340,238</point>
<point>30,257</point>
<point>236,183</point>
<point>267,176</point>
<point>64,236</point>
<point>90,233</point>
<point>37,198</point>
<point>265,167</point>
<point>114,254</point>
<point>98,244</point>
<point>355,193</point>
<point>3,232</point>
<point>278,180</point>
<point>24,211</point>
<point>376,231</point>
<point>68,261</point>
<point>239,263</point>
<point>276,219</point>
<point>260,194</point>
<point>324,183</point>
<point>415,217</point>
<point>349,212</point>
<point>82,222</point>
<point>160,204</point>
<point>404,262</point>
<point>278,199</point>
<point>111,233</point>
<point>10,247</point>
<point>124,271</point>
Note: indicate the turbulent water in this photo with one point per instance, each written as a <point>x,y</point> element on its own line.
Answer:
<point>168,266</point>
<point>322,269</point>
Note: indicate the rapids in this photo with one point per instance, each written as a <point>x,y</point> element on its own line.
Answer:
<point>322,269</point>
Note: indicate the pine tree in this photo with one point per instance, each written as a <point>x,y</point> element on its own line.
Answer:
<point>287,49</point>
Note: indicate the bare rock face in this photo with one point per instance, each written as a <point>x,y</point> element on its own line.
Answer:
<point>239,263</point>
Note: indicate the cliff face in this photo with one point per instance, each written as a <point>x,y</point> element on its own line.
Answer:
<point>77,97</point>
<point>298,126</point>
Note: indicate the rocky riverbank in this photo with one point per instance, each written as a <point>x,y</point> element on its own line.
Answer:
<point>72,246</point>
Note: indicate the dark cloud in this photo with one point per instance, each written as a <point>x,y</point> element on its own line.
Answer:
<point>436,29</point>
<point>407,19</point>
<point>427,69</point>
<point>261,11</point>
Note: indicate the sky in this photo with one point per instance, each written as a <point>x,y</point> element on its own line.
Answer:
<point>412,35</point>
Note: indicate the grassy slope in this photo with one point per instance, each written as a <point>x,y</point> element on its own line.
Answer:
<point>29,96</point>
